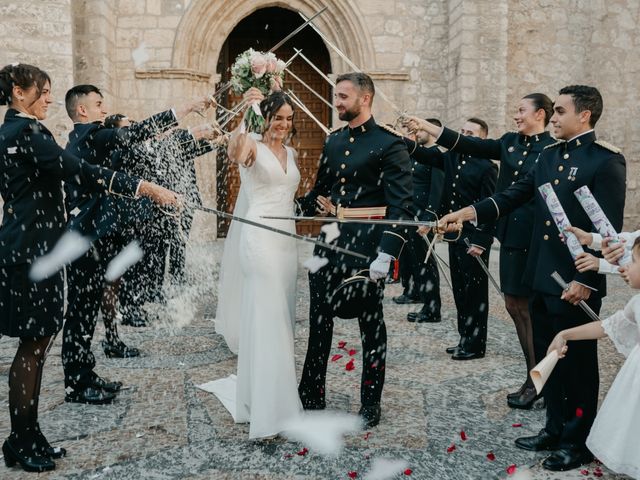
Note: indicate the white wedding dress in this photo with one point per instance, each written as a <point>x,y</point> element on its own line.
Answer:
<point>256,299</point>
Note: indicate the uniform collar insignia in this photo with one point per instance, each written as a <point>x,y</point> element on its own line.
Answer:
<point>361,129</point>
<point>581,140</point>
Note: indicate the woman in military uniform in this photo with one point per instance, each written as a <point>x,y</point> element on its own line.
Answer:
<point>517,152</point>
<point>32,167</point>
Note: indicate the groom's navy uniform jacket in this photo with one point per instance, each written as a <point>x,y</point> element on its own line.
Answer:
<point>567,166</point>
<point>367,166</point>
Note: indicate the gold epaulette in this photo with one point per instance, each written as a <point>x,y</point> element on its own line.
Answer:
<point>391,130</point>
<point>608,146</point>
<point>560,142</point>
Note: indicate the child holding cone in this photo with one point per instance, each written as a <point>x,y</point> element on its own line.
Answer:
<point>614,438</point>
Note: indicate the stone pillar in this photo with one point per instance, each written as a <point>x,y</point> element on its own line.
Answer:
<point>477,70</point>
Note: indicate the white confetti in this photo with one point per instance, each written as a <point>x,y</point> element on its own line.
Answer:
<point>331,232</point>
<point>129,255</point>
<point>315,263</point>
<point>139,435</point>
<point>385,468</point>
<point>140,55</point>
<point>71,246</point>
<point>323,431</point>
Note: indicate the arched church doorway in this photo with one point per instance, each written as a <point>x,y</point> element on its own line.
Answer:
<point>261,31</point>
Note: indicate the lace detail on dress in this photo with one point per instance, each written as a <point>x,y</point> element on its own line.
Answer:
<point>623,327</point>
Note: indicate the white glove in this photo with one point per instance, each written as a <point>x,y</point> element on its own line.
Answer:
<point>379,268</point>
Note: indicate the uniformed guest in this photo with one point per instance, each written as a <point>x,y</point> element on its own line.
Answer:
<point>518,152</point>
<point>32,167</point>
<point>467,180</point>
<point>366,172</point>
<point>578,159</point>
<point>96,216</point>
<point>421,280</point>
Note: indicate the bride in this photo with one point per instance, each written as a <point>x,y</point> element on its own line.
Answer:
<point>257,291</point>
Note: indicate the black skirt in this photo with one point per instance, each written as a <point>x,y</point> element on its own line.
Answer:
<point>29,309</point>
<point>513,262</point>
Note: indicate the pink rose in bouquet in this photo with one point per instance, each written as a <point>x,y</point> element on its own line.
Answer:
<point>258,65</point>
<point>272,65</point>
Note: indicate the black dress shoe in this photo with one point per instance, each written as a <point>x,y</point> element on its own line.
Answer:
<point>405,299</point>
<point>420,317</point>
<point>567,459</point>
<point>464,355</point>
<point>106,385</point>
<point>135,317</point>
<point>91,395</point>
<point>370,415</point>
<point>525,400</point>
<point>537,443</point>
<point>119,350</point>
<point>46,450</point>
<point>518,392</point>
<point>30,461</point>
<point>451,350</point>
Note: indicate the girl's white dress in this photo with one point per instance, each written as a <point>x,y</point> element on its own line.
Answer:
<point>615,436</point>
<point>256,299</point>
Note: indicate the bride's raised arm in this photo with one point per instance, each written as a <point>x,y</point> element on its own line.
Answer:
<point>242,148</point>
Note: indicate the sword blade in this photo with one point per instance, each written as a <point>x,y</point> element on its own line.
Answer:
<point>322,99</point>
<point>302,107</point>
<point>296,31</point>
<point>368,221</point>
<point>486,270</point>
<point>230,216</point>
<point>582,304</point>
<point>318,71</point>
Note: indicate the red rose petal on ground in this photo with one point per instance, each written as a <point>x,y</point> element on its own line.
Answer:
<point>353,474</point>
<point>463,435</point>
<point>349,366</point>
<point>367,435</point>
<point>579,412</point>
<point>352,352</point>
<point>341,344</point>
<point>408,471</point>
<point>303,452</point>
<point>336,357</point>
<point>597,472</point>
<point>451,448</point>
<point>491,456</point>
<point>511,469</point>
<point>516,425</point>
<point>584,472</point>
<point>288,455</point>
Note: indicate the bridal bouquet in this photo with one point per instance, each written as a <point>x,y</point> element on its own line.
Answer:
<point>259,70</point>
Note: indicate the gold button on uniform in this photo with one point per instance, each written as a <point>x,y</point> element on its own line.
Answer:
<point>347,153</point>
<point>565,156</point>
<point>546,237</point>
<point>548,223</point>
<point>516,172</point>
<point>560,168</point>
<point>525,153</point>
<point>9,210</point>
<point>343,166</point>
<point>511,149</point>
<point>351,139</point>
<point>343,180</point>
<point>520,162</point>
<point>100,181</point>
<point>464,162</point>
<point>556,181</point>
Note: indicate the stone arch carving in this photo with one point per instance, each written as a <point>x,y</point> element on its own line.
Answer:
<point>207,23</point>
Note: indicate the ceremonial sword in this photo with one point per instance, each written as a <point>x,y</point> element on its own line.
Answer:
<point>367,221</point>
<point>230,216</point>
<point>582,304</point>
<point>486,270</point>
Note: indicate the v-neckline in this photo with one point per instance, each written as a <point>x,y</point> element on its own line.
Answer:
<point>286,152</point>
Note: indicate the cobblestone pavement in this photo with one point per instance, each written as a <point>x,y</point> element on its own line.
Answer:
<point>163,427</point>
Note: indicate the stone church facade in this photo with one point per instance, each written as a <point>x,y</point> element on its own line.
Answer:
<point>446,58</point>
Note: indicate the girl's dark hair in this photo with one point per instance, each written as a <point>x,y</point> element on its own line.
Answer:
<point>541,101</point>
<point>274,102</point>
<point>22,75</point>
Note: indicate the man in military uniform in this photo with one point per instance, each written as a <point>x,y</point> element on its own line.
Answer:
<point>419,279</point>
<point>468,180</point>
<point>365,171</point>
<point>96,216</point>
<point>577,160</point>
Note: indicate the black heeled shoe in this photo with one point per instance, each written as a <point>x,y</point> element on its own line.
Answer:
<point>45,447</point>
<point>119,350</point>
<point>29,461</point>
<point>525,400</point>
<point>520,391</point>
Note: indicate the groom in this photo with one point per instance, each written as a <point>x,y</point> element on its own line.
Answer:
<point>365,171</point>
